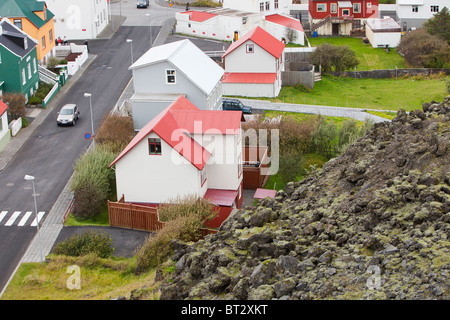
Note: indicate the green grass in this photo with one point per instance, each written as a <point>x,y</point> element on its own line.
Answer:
<point>102,219</point>
<point>379,94</point>
<point>369,58</point>
<point>387,115</point>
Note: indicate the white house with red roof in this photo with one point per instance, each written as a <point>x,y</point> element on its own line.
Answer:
<point>253,65</point>
<point>165,72</point>
<point>230,24</point>
<point>261,6</point>
<point>184,151</point>
<point>5,133</point>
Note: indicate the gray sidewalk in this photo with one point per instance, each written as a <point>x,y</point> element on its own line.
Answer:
<point>355,113</point>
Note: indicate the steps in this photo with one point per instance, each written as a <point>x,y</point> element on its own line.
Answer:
<point>317,25</point>
<point>317,76</point>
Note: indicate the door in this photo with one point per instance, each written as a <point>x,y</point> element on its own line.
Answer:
<point>335,29</point>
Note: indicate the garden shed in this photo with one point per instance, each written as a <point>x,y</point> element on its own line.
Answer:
<point>383,32</point>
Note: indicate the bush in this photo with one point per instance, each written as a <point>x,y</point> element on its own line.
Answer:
<point>16,105</point>
<point>334,58</point>
<point>324,137</point>
<point>35,100</point>
<point>115,132</point>
<point>92,182</point>
<point>439,25</point>
<point>89,242</point>
<point>423,50</point>
<point>290,166</point>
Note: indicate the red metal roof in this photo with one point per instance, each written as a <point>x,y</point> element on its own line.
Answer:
<point>263,39</point>
<point>199,16</point>
<point>3,108</point>
<point>183,117</point>
<point>285,21</point>
<point>234,77</point>
<point>264,193</point>
<point>221,197</point>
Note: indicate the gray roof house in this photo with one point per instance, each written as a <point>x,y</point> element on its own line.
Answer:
<point>165,72</point>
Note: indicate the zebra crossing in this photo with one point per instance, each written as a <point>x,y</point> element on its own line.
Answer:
<point>20,219</point>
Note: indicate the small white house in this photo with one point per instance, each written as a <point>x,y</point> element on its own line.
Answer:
<point>165,72</point>
<point>285,28</point>
<point>79,19</point>
<point>5,134</point>
<point>253,65</point>
<point>183,151</point>
<point>383,32</point>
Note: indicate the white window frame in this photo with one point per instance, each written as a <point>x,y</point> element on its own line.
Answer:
<point>346,14</point>
<point>357,7</point>
<point>320,5</point>
<point>174,75</point>
<point>333,7</point>
<point>267,5</point>
<point>261,6</point>
<point>275,4</point>
<point>369,4</point>
<point>250,48</point>
<point>24,78</point>
<point>434,8</point>
<point>29,70</point>
<point>203,176</point>
<point>34,65</point>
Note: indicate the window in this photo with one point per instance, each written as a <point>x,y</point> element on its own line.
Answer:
<point>261,6</point>
<point>154,146</point>
<point>50,36</point>
<point>34,65</point>
<point>18,23</point>
<point>250,48</point>
<point>434,8</point>
<point>29,70</point>
<point>43,42</point>
<point>345,12</point>
<point>415,8</point>
<point>369,4</point>
<point>203,175</point>
<point>24,80</point>
<point>275,4</point>
<point>267,5</point>
<point>321,7</point>
<point>357,7</point>
<point>333,7</point>
<point>170,76</point>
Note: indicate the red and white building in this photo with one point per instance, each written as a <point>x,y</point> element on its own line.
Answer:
<point>184,151</point>
<point>339,18</point>
<point>253,65</point>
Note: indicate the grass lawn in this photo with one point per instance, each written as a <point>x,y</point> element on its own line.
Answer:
<point>380,94</point>
<point>369,58</point>
<point>102,219</point>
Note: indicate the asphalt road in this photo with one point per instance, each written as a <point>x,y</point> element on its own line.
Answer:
<point>49,155</point>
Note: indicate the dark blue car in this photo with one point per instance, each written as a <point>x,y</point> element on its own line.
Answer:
<point>235,105</point>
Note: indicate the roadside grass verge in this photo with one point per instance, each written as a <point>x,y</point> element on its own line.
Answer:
<point>101,279</point>
<point>369,58</point>
<point>378,94</point>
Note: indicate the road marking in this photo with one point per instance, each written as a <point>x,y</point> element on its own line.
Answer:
<point>39,217</point>
<point>12,218</point>
<point>24,218</point>
<point>2,215</point>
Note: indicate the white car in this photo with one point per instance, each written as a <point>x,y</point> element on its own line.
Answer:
<point>69,114</point>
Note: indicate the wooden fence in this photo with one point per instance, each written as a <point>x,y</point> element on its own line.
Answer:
<point>133,216</point>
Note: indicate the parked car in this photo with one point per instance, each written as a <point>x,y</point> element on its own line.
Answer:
<point>69,114</point>
<point>143,3</point>
<point>235,104</point>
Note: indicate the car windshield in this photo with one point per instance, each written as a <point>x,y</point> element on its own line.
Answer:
<point>66,111</point>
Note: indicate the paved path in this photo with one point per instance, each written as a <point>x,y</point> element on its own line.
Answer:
<point>357,114</point>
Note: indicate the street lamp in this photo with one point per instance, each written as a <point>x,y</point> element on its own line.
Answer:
<point>88,95</point>
<point>150,24</point>
<point>31,178</point>
<point>130,41</point>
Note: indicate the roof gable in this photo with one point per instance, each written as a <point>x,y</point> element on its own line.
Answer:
<point>199,16</point>
<point>188,59</point>
<point>285,21</point>
<point>263,39</point>
<point>13,39</point>
<point>25,9</point>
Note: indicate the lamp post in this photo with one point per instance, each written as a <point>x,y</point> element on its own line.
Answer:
<point>31,178</point>
<point>130,41</point>
<point>88,95</point>
<point>150,24</point>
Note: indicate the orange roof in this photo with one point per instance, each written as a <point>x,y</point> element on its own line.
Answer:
<point>184,117</point>
<point>199,16</point>
<point>263,39</point>
<point>241,77</point>
<point>285,21</point>
<point>3,107</point>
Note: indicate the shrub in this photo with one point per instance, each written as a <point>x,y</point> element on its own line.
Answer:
<point>334,58</point>
<point>296,135</point>
<point>16,105</point>
<point>290,165</point>
<point>115,132</point>
<point>423,50</point>
<point>324,137</point>
<point>89,242</point>
<point>34,100</point>
<point>92,181</point>
<point>439,25</point>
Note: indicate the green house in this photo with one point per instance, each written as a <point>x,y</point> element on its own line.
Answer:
<point>18,61</point>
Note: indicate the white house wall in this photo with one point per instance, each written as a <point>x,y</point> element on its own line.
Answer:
<point>279,31</point>
<point>392,39</point>
<point>251,89</point>
<point>79,19</point>
<point>148,178</point>
<point>254,6</point>
<point>258,61</point>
